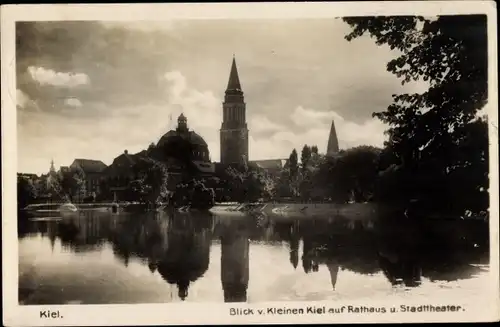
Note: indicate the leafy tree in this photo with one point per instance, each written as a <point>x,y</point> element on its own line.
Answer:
<point>305,157</point>
<point>293,164</point>
<point>314,149</point>
<point>72,183</point>
<point>26,191</point>
<point>152,182</point>
<point>355,172</point>
<point>249,185</point>
<point>202,197</point>
<point>428,131</point>
<point>293,172</point>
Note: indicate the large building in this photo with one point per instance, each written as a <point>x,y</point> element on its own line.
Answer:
<point>93,173</point>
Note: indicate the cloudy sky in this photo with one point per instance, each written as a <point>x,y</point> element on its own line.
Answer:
<point>93,89</point>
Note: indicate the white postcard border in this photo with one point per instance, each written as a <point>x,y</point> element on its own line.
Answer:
<point>215,313</point>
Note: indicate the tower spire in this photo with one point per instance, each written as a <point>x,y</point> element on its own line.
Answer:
<point>333,142</point>
<point>52,168</point>
<point>234,80</point>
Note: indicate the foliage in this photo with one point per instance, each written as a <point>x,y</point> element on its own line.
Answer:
<point>71,183</point>
<point>293,165</point>
<point>26,191</point>
<point>151,186</point>
<point>351,175</point>
<point>195,194</point>
<point>202,197</point>
<point>249,185</point>
<point>435,138</point>
<point>305,157</point>
<point>356,171</point>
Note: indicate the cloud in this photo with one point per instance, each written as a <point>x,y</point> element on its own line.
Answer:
<point>313,128</point>
<point>24,102</point>
<point>50,77</point>
<point>138,79</point>
<point>369,132</point>
<point>73,102</point>
<point>262,124</point>
<point>134,127</point>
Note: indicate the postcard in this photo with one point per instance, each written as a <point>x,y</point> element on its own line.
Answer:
<point>248,163</point>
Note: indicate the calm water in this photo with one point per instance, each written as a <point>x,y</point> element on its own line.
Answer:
<point>97,258</point>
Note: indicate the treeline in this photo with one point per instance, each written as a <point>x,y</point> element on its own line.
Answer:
<point>437,150</point>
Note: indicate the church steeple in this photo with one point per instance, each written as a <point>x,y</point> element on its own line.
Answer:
<point>234,131</point>
<point>234,80</point>
<point>333,142</point>
<point>52,168</point>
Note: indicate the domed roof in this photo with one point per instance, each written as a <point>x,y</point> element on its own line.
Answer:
<point>197,139</point>
<point>192,137</point>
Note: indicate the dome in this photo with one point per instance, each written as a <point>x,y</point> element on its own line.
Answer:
<point>183,144</point>
<point>197,139</point>
<point>173,136</point>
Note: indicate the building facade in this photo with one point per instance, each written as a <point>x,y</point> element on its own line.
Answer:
<point>93,173</point>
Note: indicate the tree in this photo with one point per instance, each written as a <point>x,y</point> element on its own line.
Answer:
<point>293,172</point>
<point>249,185</point>
<point>152,184</point>
<point>293,164</point>
<point>426,129</point>
<point>72,183</point>
<point>355,172</point>
<point>305,157</point>
<point>26,192</point>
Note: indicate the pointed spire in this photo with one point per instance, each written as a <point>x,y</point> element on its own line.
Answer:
<point>52,168</point>
<point>234,80</point>
<point>333,142</point>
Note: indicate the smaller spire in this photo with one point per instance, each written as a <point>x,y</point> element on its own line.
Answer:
<point>52,168</point>
<point>333,142</point>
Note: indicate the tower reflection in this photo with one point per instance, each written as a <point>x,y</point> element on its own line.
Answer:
<point>235,244</point>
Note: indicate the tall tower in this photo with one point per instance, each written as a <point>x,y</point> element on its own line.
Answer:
<point>333,142</point>
<point>234,131</point>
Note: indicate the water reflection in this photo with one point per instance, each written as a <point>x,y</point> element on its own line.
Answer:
<point>235,244</point>
<point>182,249</point>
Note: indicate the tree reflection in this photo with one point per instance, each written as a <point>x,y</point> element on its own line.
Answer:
<point>177,246</point>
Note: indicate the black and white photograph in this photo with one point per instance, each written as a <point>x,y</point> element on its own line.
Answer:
<point>321,166</point>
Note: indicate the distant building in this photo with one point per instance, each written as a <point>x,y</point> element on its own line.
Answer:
<point>32,177</point>
<point>93,171</point>
<point>64,169</point>
<point>184,153</point>
<point>121,170</point>
<point>271,166</point>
